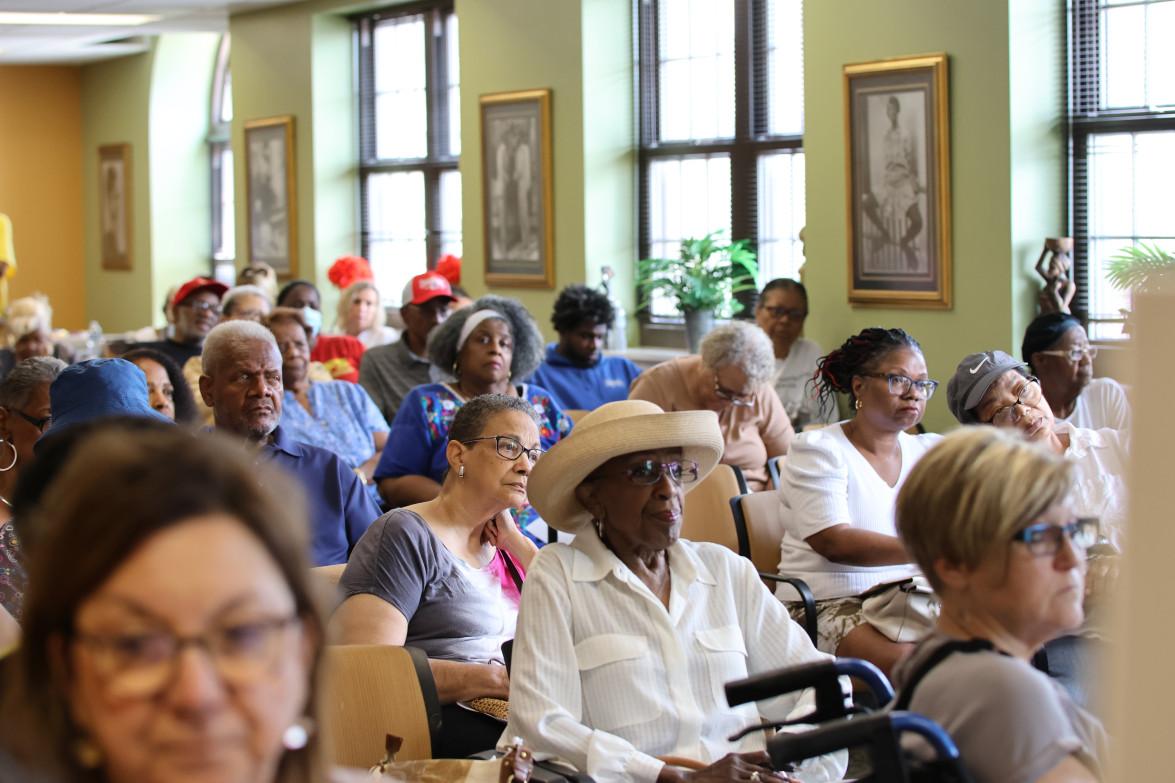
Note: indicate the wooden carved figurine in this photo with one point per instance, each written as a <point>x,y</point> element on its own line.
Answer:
<point>1057,272</point>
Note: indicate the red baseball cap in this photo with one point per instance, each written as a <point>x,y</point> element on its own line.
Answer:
<point>198,284</point>
<point>426,287</point>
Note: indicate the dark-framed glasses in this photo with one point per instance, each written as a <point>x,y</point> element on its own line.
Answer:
<point>791,313</point>
<point>509,447</point>
<point>734,398</point>
<point>1027,396</point>
<point>40,423</point>
<point>649,472</point>
<point>1044,539</point>
<point>900,385</point>
<point>208,307</point>
<point>141,663</point>
<point>1074,354</point>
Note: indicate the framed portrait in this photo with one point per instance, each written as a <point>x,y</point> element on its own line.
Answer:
<point>114,205</point>
<point>271,194</point>
<point>517,189</point>
<point>898,168</point>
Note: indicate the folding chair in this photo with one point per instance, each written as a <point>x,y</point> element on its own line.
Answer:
<point>707,515</point>
<point>759,530</point>
<point>375,690</point>
<point>774,466</point>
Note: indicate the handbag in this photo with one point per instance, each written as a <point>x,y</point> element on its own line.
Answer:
<point>902,611</point>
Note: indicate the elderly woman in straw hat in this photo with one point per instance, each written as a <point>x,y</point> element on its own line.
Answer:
<point>626,636</point>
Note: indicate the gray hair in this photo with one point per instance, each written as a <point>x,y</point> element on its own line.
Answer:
<point>228,338</point>
<point>744,345</point>
<point>528,340</point>
<point>16,389</point>
<point>471,417</point>
<point>231,295</point>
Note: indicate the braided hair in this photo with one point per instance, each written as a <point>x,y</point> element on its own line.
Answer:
<point>857,355</point>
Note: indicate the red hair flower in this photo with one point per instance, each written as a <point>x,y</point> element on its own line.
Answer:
<point>347,270</point>
<point>449,267</point>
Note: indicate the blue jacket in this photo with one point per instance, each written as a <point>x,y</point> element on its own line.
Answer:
<point>585,388</point>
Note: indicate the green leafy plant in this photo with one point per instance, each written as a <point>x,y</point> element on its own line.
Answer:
<point>1141,267</point>
<point>706,275</point>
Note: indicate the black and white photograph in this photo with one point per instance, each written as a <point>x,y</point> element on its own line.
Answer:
<point>516,169</point>
<point>114,204</point>
<point>898,168</point>
<point>269,148</point>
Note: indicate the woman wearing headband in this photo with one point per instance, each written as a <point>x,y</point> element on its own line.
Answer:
<point>486,348</point>
<point>626,636</point>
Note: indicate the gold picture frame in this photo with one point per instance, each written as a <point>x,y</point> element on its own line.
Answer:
<point>517,189</point>
<point>115,206</point>
<point>897,154</point>
<point>271,194</point>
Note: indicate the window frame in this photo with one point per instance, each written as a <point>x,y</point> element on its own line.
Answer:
<point>751,140</point>
<point>1086,120</point>
<point>438,159</point>
<point>219,141</point>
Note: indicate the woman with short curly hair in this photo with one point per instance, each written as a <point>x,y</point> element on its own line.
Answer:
<point>486,347</point>
<point>731,377</point>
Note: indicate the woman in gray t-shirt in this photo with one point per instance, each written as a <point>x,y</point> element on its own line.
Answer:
<point>986,516</point>
<point>445,575</point>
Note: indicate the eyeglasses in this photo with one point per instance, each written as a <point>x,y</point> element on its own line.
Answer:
<point>650,471</point>
<point>1044,539</point>
<point>734,398</point>
<point>137,665</point>
<point>1074,354</point>
<point>1028,396</point>
<point>207,307</point>
<point>509,447</point>
<point>900,385</point>
<point>792,313</point>
<point>40,423</point>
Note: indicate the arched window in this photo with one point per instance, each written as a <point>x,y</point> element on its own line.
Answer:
<point>221,157</point>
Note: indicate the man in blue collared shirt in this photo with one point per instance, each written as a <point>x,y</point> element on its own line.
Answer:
<point>242,384</point>
<point>575,371</point>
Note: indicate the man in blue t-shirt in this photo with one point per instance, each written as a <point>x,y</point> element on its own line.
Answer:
<point>575,371</point>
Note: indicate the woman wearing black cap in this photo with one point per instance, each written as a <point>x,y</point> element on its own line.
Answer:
<point>1059,354</point>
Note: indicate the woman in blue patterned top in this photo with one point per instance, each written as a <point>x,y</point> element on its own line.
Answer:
<point>334,415</point>
<point>485,347</point>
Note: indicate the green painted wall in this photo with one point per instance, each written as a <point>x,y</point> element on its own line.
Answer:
<point>181,192</point>
<point>550,54</point>
<point>116,100</point>
<point>158,103</point>
<point>999,124</point>
<point>297,60</point>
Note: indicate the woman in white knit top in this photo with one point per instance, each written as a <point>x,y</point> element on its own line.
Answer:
<point>839,485</point>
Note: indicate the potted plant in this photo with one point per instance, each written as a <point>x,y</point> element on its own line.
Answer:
<point>703,280</point>
<point>1140,268</point>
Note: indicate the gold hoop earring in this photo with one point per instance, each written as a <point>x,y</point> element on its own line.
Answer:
<point>12,464</point>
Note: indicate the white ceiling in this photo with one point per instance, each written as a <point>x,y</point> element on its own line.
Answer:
<point>52,44</point>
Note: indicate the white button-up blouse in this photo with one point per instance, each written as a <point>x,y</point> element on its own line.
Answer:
<point>604,677</point>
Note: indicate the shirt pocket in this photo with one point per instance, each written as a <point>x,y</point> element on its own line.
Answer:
<point>726,658</point>
<point>616,671</point>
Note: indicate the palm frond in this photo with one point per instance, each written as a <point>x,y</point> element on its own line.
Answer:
<point>1140,267</point>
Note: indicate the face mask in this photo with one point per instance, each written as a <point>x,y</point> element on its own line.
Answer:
<point>313,320</point>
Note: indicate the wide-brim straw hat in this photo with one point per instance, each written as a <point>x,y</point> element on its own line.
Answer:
<point>610,431</point>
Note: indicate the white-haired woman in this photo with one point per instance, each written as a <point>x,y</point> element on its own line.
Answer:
<point>361,315</point>
<point>731,377</point>
<point>29,327</point>
<point>626,637</point>
<point>988,517</point>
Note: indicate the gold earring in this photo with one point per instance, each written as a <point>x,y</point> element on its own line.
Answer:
<point>461,472</point>
<point>857,404</point>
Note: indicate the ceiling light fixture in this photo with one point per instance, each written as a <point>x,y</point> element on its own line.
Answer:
<point>76,20</point>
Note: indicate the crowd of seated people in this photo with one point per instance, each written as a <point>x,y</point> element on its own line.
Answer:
<point>426,469</point>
